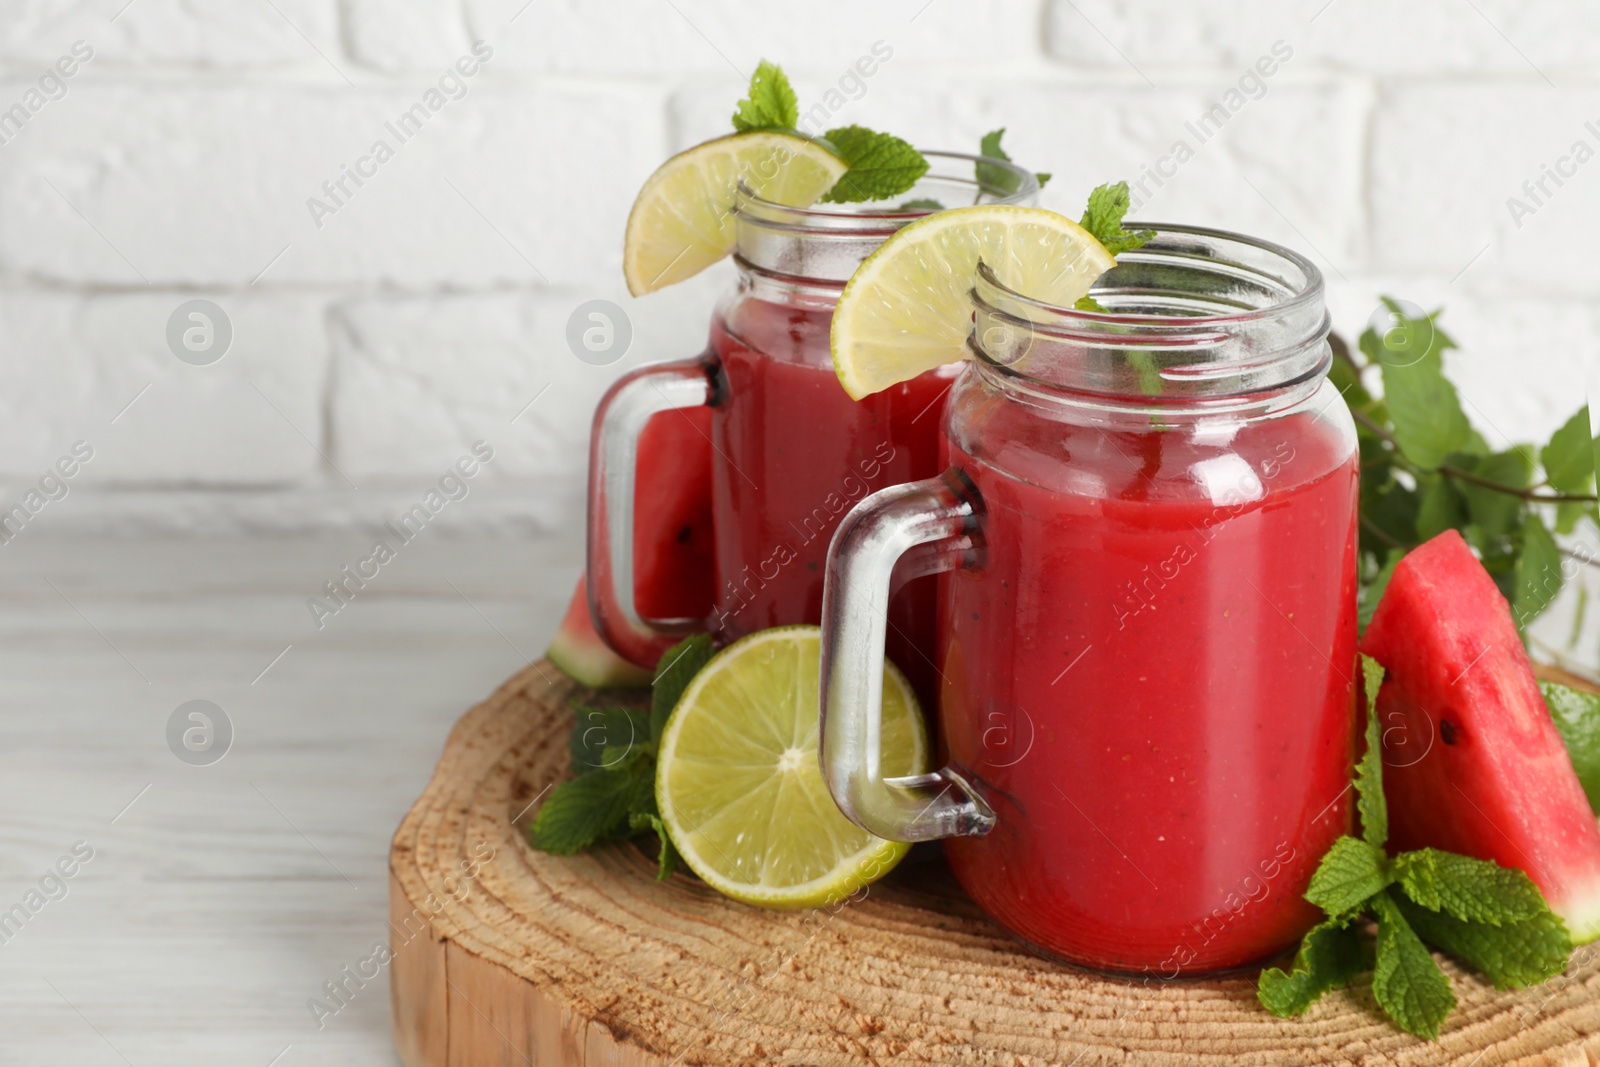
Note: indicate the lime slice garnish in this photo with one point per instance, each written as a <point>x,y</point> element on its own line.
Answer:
<point>682,220</point>
<point>739,786</point>
<point>908,308</point>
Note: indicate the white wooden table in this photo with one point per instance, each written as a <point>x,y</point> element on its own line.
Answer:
<point>220,898</point>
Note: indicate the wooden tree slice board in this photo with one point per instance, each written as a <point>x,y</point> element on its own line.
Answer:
<point>506,956</point>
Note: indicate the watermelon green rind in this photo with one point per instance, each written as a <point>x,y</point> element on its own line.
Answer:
<point>1581,913</point>
<point>580,654</point>
<point>1493,779</point>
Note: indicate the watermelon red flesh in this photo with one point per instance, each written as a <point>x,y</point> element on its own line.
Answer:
<point>582,656</point>
<point>672,548</point>
<point>1495,781</point>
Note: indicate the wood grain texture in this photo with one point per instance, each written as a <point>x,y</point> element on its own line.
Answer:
<point>527,959</point>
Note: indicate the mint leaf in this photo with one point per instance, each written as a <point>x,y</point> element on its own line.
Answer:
<point>1388,508</point>
<point>592,807</point>
<point>1329,957</point>
<point>674,671</point>
<point>921,203</point>
<point>771,103</point>
<point>1103,218</point>
<point>995,179</point>
<point>613,754</point>
<point>1406,980</point>
<point>1440,507</point>
<point>1143,364</point>
<point>1512,955</point>
<point>1350,872</point>
<point>881,165</point>
<point>604,738</point>
<point>1369,772</point>
<point>1473,890</point>
<point>1423,406</point>
<point>1496,512</point>
<point>1571,512</point>
<point>668,859</point>
<point>1539,576</point>
<point>1569,457</point>
<point>1089,303</point>
<point>1577,717</point>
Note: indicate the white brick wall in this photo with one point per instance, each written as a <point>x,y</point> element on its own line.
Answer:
<point>431,307</point>
<point>1501,38</point>
<point>223,35</point>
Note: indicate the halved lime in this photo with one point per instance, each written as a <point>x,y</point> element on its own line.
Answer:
<point>682,220</point>
<point>907,308</point>
<point>739,786</point>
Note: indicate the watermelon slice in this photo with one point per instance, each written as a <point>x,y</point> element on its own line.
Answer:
<point>583,657</point>
<point>1472,761</point>
<point>672,547</point>
<point>673,562</point>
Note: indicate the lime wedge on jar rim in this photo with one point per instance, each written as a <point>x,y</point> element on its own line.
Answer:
<point>907,309</point>
<point>682,220</point>
<point>740,788</point>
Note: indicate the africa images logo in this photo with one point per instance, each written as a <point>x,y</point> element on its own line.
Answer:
<point>452,85</point>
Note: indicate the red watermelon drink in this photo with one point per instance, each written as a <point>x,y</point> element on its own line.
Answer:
<point>1147,637</point>
<point>791,452</point>
<point>1168,622</point>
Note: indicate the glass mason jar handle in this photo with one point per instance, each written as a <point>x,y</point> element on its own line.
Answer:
<point>935,526</point>
<point>613,456</point>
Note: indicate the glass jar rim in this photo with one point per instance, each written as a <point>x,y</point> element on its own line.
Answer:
<point>1196,313</point>
<point>1309,291</point>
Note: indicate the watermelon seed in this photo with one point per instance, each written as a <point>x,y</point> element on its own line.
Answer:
<point>1447,731</point>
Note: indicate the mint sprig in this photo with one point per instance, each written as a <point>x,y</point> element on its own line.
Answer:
<point>771,104</point>
<point>602,738</point>
<point>591,808</point>
<point>1512,955</point>
<point>996,179</point>
<point>614,757</point>
<point>1351,873</point>
<point>1370,801</point>
<point>1489,917</point>
<point>1468,889</point>
<point>1429,422</point>
<point>1406,980</point>
<point>1425,468</point>
<point>1569,457</point>
<point>881,165</point>
<point>1330,957</point>
<point>676,669</point>
<point>1108,204</point>
<point>667,860</point>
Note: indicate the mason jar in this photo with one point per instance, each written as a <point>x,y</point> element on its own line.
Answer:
<point>790,452</point>
<point>1147,618</point>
